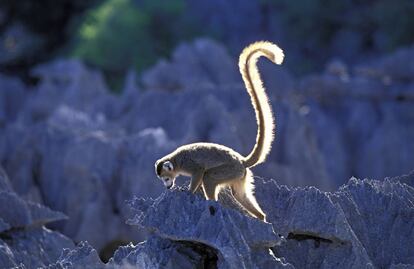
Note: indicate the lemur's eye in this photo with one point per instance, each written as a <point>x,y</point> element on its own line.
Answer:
<point>168,166</point>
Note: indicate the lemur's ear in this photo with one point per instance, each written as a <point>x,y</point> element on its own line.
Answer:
<point>168,166</point>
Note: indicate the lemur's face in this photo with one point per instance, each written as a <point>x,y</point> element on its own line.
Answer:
<point>165,171</point>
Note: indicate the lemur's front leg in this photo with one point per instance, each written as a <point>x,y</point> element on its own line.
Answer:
<point>196,180</point>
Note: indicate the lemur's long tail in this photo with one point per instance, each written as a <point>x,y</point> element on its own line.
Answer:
<point>264,116</point>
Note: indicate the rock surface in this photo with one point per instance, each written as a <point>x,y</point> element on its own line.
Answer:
<point>24,241</point>
<point>239,242</point>
<point>365,224</point>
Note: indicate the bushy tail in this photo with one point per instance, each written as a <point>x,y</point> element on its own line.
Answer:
<point>254,85</point>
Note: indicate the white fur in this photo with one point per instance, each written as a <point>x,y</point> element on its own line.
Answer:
<point>168,166</point>
<point>251,76</point>
<point>249,187</point>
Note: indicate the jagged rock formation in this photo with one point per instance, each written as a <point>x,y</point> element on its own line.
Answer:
<point>365,224</point>
<point>24,241</point>
<point>238,241</point>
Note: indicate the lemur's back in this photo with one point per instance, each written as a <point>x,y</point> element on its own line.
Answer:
<point>210,154</point>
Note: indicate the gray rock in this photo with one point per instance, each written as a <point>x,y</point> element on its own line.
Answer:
<point>239,241</point>
<point>401,266</point>
<point>70,83</point>
<point>303,145</point>
<point>17,213</point>
<point>4,226</point>
<point>31,248</point>
<point>396,66</point>
<point>364,224</point>
<point>85,164</point>
<point>206,119</point>
<point>41,215</point>
<point>316,231</point>
<point>24,242</point>
<point>174,254</point>
<point>12,99</point>
<point>407,179</point>
<point>83,256</point>
<point>394,128</point>
<point>203,64</point>
<point>381,216</point>
<point>14,210</point>
<point>364,108</point>
<point>5,184</point>
<point>59,157</point>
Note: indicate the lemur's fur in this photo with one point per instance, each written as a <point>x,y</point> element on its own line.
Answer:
<point>212,165</point>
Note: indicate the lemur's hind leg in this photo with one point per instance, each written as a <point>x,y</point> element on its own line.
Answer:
<point>220,175</point>
<point>242,191</point>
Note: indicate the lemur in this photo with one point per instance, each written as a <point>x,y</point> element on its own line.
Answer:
<point>212,165</point>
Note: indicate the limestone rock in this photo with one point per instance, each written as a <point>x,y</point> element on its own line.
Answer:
<point>239,241</point>
<point>24,241</point>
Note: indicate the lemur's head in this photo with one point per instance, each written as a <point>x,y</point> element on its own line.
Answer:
<point>165,171</point>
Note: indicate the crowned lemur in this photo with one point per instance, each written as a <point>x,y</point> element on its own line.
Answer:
<point>212,165</point>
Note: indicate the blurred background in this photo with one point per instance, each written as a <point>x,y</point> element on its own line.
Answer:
<point>118,35</point>
<point>93,92</point>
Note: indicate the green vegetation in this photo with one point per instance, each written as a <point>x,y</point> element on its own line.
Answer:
<point>120,34</point>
